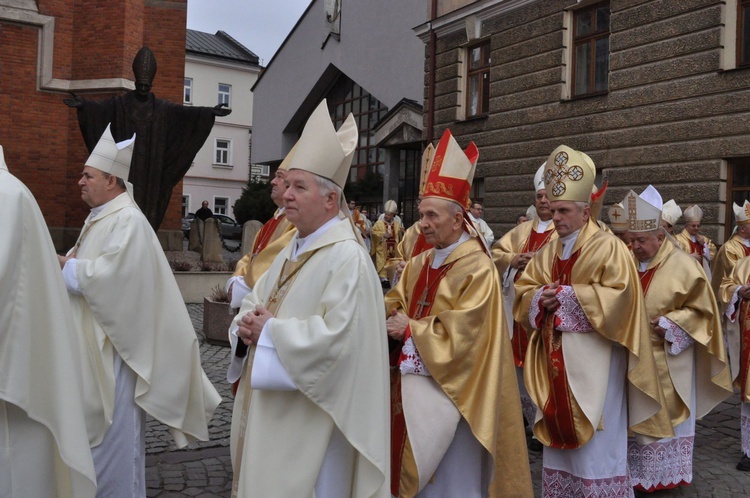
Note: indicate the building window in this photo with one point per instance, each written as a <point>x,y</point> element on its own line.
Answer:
<point>222,149</point>
<point>348,97</point>
<point>591,50</point>
<point>478,79</point>
<point>743,33</point>
<point>188,96</point>
<point>185,205</point>
<point>220,205</point>
<point>225,94</point>
<point>738,189</point>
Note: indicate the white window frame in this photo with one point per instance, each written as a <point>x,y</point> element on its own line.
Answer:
<point>221,210</point>
<point>187,94</point>
<point>227,153</point>
<point>185,204</point>
<point>225,96</point>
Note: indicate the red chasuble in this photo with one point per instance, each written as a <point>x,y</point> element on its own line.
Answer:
<point>557,411</point>
<point>265,234</point>
<point>520,340</point>
<point>419,307</point>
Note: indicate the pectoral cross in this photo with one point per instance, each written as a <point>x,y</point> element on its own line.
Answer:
<point>422,304</point>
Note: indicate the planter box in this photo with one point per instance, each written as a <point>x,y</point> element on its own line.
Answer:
<point>217,318</point>
<point>195,285</point>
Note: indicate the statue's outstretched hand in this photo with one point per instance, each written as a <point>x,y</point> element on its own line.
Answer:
<point>76,101</point>
<point>222,110</point>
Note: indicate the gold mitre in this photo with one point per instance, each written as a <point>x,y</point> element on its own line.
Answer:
<point>284,166</point>
<point>452,171</point>
<point>429,151</point>
<point>110,156</point>
<point>693,213</point>
<point>671,212</point>
<point>539,178</point>
<point>741,213</point>
<point>644,210</point>
<point>391,207</point>
<point>569,175</point>
<point>322,150</point>
<point>618,221</point>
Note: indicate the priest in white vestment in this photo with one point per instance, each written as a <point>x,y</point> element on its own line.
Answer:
<point>44,448</point>
<point>142,348</point>
<point>311,414</point>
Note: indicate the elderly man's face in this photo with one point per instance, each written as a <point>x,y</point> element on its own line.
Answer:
<point>278,187</point>
<point>441,226</point>
<point>94,186</point>
<point>541,204</point>
<point>568,217</point>
<point>388,216</point>
<point>646,244</point>
<point>306,206</point>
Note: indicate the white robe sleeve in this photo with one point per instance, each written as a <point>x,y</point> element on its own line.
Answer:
<point>70,276</point>
<point>239,290</point>
<point>268,372</point>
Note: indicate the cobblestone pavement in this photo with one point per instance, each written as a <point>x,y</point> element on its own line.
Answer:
<point>204,468</point>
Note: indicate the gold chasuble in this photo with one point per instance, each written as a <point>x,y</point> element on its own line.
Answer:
<point>738,331</point>
<point>518,240</point>
<point>412,244</point>
<point>690,247</point>
<point>605,282</point>
<point>523,238</point>
<point>676,288</point>
<point>458,328</point>
<point>384,248</point>
<point>269,241</point>
<point>730,253</point>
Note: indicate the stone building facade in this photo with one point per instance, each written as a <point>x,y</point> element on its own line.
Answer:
<point>51,47</point>
<point>655,91</point>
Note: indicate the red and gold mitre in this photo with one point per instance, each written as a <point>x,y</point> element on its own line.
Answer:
<point>452,171</point>
<point>429,151</point>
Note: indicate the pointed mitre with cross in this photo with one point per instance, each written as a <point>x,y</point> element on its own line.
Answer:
<point>643,210</point>
<point>569,175</point>
<point>618,222</point>
<point>452,171</point>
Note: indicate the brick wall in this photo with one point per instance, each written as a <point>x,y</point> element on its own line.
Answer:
<point>670,117</point>
<point>93,39</point>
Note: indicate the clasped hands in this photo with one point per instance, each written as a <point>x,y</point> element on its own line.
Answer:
<point>396,324</point>
<point>521,260</point>
<point>744,291</point>
<point>548,299</point>
<point>251,324</point>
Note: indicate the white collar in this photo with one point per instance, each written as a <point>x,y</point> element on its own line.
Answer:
<point>568,242</point>
<point>643,265</point>
<point>542,225</point>
<point>442,254</point>
<point>302,243</point>
<point>279,212</point>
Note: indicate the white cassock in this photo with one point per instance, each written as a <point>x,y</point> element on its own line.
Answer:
<point>143,349</point>
<point>318,422</point>
<point>44,450</point>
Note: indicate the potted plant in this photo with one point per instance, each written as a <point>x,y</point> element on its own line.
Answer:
<point>217,316</point>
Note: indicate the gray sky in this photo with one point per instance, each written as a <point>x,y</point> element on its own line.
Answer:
<point>260,25</point>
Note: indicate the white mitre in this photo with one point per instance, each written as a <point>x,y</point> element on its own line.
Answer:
<point>110,156</point>
<point>671,212</point>
<point>618,222</point>
<point>322,150</point>
<point>539,178</point>
<point>693,213</point>
<point>741,213</point>
<point>644,210</point>
<point>3,166</point>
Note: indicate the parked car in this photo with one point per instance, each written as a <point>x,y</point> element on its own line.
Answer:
<point>230,229</point>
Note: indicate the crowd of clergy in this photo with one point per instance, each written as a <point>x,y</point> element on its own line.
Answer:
<point>607,342</point>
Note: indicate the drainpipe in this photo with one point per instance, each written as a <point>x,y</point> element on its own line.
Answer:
<point>431,79</point>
